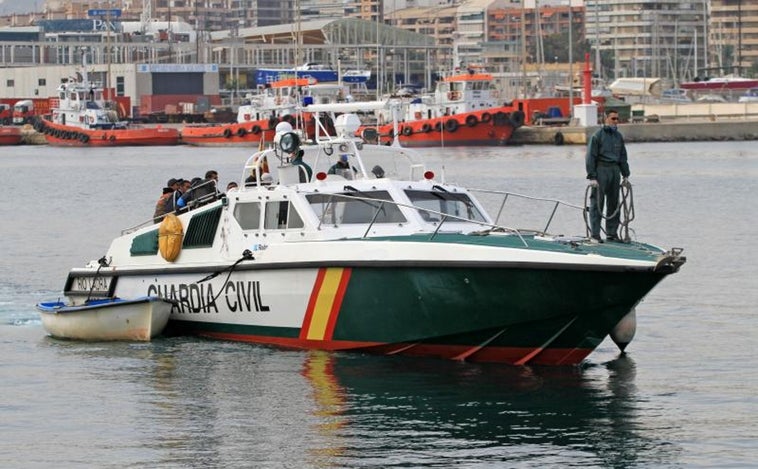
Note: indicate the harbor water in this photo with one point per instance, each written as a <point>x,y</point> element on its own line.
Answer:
<point>685,394</point>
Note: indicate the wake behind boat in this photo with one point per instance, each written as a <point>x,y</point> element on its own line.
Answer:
<point>372,252</point>
<point>106,319</point>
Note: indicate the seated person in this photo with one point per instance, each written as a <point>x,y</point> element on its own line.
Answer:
<point>342,167</point>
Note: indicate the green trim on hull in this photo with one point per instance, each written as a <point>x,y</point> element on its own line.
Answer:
<point>468,306</point>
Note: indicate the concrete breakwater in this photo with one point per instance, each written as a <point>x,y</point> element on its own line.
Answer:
<point>664,131</point>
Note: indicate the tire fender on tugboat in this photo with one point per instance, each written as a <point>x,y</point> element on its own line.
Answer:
<point>472,120</point>
<point>451,125</point>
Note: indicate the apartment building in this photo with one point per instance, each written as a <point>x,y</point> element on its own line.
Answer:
<point>733,37</point>
<point>663,38</point>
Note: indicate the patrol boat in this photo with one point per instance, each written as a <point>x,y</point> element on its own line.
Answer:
<point>382,256</point>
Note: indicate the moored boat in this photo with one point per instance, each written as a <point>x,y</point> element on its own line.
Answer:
<point>376,254</point>
<point>465,110</point>
<point>310,70</point>
<point>10,135</point>
<point>105,319</point>
<point>81,117</point>
<point>280,101</point>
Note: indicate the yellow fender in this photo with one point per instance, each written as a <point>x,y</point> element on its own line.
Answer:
<point>170,235</point>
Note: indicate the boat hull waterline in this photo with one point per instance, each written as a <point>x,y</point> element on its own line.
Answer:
<point>140,319</point>
<point>10,135</point>
<point>481,128</point>
<point>71,136</point>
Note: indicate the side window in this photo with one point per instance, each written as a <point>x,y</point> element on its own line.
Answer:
<point>248,215</point>
<point>281,215</point>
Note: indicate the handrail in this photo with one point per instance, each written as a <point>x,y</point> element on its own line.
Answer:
<point>191,205</point>
<point>506,194</point>
<point>444,217</point>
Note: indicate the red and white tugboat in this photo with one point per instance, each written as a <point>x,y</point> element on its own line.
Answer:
<point>465,109</point>
<point>82,117</point>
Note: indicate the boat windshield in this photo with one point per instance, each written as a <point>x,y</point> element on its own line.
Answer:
<point>347,208</point>
<point>450,203</point>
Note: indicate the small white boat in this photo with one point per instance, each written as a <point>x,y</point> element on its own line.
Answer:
<point>139,319</point>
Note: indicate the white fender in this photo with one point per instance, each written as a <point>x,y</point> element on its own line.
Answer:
<point>623,332</point>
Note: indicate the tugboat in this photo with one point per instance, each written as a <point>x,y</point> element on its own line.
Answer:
<point>257,117</point>
<point>10,135</point>
<point>367,250</point>
<point>82,117</point>
<point>464,109</point>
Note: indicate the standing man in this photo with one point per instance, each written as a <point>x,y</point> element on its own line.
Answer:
<point>606,164</point>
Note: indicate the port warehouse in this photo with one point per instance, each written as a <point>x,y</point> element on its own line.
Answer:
<point>35,60</point>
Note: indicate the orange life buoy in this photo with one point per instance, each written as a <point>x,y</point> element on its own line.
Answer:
<point>170,235</point>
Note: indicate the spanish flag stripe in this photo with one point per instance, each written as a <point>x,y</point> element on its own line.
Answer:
<point>341,289</point>
<point>324,304</point>
<point>312,303</point>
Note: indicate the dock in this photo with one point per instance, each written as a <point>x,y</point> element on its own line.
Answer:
<point>707,129</point>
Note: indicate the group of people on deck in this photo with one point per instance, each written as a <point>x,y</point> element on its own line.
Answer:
<point>181,194</point>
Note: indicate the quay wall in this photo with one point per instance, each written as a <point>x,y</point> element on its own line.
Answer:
<point>718,129</point>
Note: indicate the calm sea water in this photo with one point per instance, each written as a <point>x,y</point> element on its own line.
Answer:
<point>684,395</point>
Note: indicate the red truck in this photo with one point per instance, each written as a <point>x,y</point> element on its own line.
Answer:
<point>25,109</point>
<point>6,114</point>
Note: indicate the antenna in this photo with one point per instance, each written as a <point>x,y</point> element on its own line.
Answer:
<point>146,15</point>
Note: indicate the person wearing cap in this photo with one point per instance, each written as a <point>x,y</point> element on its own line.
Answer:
<point>342,167</point>
<point>160,204</point>
<point>173,184</point>
<point>183,186</point>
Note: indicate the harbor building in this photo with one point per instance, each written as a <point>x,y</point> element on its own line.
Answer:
<point>733,35</point>
<point>664,38</point>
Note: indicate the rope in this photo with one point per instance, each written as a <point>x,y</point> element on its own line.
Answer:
<point>102,262</point>
<point>247,255</point>
<point>625,207</point>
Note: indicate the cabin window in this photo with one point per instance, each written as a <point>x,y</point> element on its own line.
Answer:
<point>10,83</point>
<point>342,208</point>
<point>248,215</point>
<point>120,86</point>
<point>281,215</point>
<point>41,82</point>
<point>450,203</point>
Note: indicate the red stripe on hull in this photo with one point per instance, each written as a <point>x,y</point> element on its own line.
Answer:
<point>337,304</point>
<point>312,303</point>
<point>504,355</point>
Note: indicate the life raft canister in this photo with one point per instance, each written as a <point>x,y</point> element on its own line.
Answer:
<point>170,234</point>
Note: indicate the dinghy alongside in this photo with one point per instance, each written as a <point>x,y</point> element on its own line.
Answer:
<point>105,319</point>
